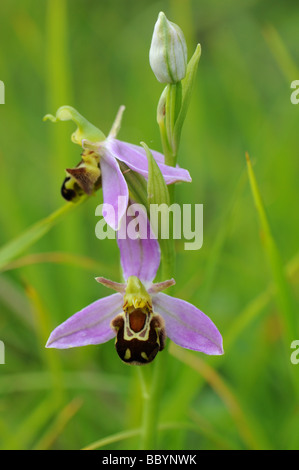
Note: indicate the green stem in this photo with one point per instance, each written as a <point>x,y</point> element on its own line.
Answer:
<point>168,110</point>
<point>165,144</point>
<point>167,125</point>
<point>151,402</point>
<point>167,257</point>
<point>171,98</point>
<point>152,390</point>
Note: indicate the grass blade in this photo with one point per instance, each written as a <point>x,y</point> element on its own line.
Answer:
<point>283,292</point>
<point>34,233</point>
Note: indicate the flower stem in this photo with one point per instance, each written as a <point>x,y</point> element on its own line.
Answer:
<point>151,402</point>
<point>169,109</point>
<point>151,389</point>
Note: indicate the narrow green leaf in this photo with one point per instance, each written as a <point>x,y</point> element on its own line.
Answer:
<point>283,292</point>
<point>120,436</point>
<point>56,428</point>
<point>281,53</point>
<point>187,88</point>
<point>59,257</point>
<point>31,426</point>
<point>34,233</point>
<point>157,192</point>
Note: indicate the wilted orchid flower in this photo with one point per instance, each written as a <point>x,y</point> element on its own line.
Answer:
<point>139,315</point>
<point>99,165</point>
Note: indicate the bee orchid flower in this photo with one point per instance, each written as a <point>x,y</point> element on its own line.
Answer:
<point>100,164</point>
<point>139,315</point>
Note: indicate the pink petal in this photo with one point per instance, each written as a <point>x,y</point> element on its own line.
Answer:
<point>140,256</point>
<point>187,326</point>
<point>115,191</point>
<point>89,326</point>
<point>139,151</point>
<point>135,158</point>
<point>159,286</point>
<point>121,288</point>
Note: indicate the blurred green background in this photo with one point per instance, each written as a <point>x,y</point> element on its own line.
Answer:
<point>93,55</point>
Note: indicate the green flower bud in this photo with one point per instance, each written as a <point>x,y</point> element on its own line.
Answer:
<point>168,51</point>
